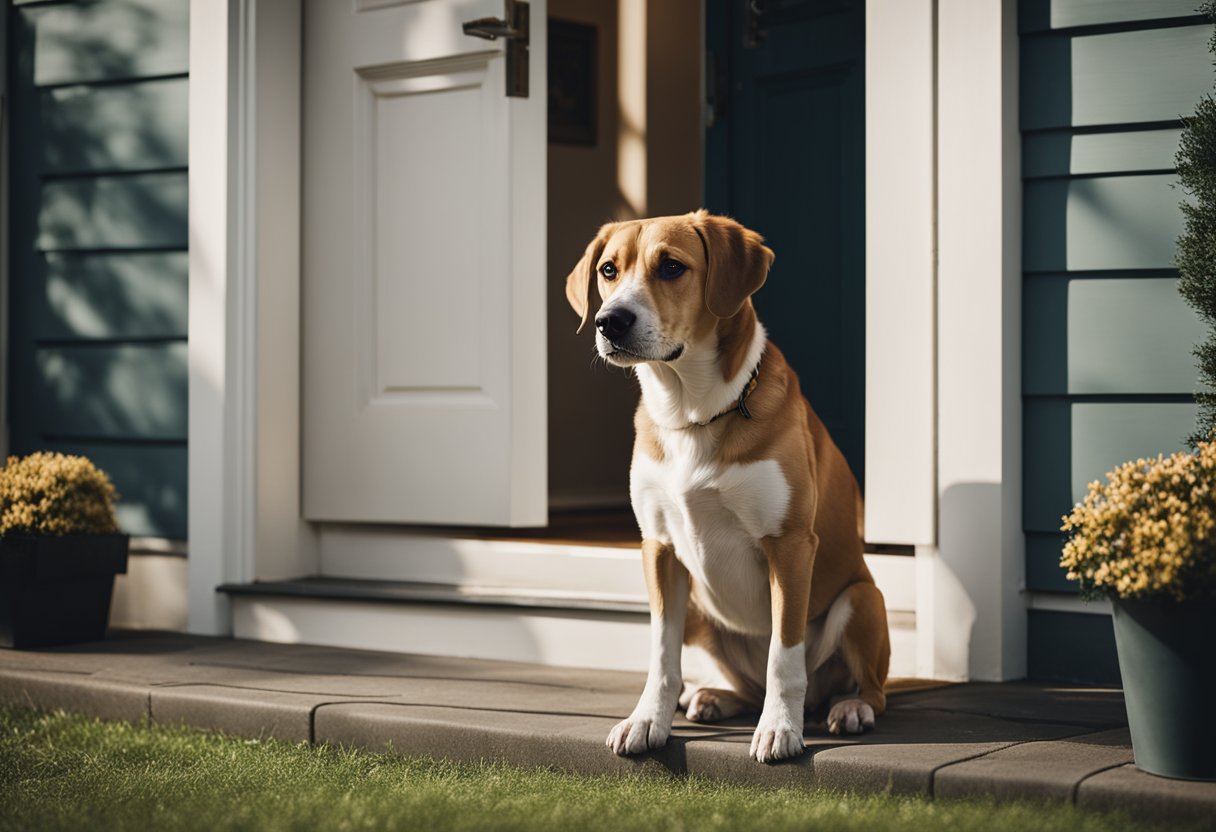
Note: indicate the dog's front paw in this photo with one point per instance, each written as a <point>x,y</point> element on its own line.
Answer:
<point>776,738</point>
<point>638,734</point>
<point>850,716</point>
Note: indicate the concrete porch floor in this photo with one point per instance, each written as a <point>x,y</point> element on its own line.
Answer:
<point>1009,741</point>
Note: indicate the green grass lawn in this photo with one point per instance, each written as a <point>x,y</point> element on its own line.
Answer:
<point>59,771</point>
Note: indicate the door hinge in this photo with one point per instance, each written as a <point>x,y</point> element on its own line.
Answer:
<point>514,28</point>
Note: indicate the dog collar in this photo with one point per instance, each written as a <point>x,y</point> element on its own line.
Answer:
<point>741,402</point>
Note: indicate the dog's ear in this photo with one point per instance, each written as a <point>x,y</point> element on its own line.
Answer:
<point>580,281</point>
<point>738,262</point>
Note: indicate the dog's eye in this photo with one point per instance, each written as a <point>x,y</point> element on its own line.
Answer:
<point>608,271</point>
<point>671,269</point>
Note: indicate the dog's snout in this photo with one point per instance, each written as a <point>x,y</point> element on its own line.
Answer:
<point>614,323</point>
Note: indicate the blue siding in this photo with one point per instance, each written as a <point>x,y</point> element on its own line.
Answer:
<point>1108,373</point>
<point>1040,15</point>
<point>98,270</point>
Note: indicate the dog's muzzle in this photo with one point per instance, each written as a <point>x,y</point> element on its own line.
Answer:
<point>615,324</point>
<point>624,340</point>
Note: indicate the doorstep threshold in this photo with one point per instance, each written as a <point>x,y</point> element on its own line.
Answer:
<point>322,587</point>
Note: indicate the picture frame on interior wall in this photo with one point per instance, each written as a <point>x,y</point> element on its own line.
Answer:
<point>573,70</point>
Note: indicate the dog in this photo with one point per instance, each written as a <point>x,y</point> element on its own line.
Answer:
<point>750,517</point>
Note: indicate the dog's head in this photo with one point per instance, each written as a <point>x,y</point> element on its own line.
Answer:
<point>665,283</point>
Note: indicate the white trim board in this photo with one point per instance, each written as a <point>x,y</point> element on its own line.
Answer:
<point>152,594</point>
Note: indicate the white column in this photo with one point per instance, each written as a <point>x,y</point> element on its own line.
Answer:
<point>973,583</point>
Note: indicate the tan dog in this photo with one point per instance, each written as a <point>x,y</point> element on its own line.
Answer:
<point>750,516</point>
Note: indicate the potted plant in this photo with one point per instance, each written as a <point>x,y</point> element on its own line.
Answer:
<point>59,550</point>
<point>1146,539</point>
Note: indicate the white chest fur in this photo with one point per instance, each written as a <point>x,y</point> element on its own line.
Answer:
<point>714,516</point>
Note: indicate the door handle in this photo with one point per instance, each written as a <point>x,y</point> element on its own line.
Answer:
<point>514,28</point>
<point>753,28</point>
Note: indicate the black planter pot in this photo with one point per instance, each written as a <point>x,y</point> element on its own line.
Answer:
<point>56,590</point>
<point>1165,658</point>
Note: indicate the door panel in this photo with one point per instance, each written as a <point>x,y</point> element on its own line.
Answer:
<point>424,317</point>
<point>786,156</point>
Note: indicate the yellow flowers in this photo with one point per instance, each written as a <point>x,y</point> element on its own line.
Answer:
<point>55,494</point>
<point>1149,530</point>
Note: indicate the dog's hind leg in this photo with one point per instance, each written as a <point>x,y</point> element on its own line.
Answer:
<point>714,704</point>
<point>714,688</point>
<point>866,650</point>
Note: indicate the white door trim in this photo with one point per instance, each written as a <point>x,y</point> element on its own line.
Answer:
<point>243,479</point>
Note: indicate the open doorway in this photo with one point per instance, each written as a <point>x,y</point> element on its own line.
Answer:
<point>751,109</point>
<point>643,158</point>
<point>785,155</point>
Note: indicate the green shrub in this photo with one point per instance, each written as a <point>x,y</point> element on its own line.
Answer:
<point>55,494</point>
<point>1196,256</point>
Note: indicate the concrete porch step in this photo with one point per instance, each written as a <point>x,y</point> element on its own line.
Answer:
<point>1008,741</point>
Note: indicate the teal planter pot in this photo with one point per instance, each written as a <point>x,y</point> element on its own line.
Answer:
<point>1167,662</point>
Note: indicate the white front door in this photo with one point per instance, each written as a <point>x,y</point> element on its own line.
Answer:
<point>424,367</point>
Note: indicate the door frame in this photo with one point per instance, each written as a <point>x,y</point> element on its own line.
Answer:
<point>244,325</point>
<point>950,241</point>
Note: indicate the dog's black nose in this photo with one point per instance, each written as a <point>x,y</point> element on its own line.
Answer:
<point>615,323</point>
